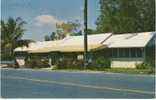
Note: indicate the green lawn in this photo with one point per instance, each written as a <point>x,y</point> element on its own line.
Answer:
<point>131,70</point>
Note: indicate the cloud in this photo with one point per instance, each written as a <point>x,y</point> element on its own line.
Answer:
<point>46,20</point>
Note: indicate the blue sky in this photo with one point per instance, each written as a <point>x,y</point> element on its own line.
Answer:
<point>41,15</point>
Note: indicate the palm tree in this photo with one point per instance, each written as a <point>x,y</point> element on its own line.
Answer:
<point>23,42</point>
<point>11,31</point>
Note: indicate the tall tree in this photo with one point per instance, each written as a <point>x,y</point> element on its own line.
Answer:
<point>11,31</point>
<point>64,29</point>
<point>121,16</point>
<point>91,31</point>
<point>52,36</point>
<point>68,28</point>
<point>47,38</point>
<point>23,42</point>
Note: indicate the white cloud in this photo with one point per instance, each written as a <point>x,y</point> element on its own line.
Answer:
<point>46,20</point>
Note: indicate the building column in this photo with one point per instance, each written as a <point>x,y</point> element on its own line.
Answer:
<point>50,61</point>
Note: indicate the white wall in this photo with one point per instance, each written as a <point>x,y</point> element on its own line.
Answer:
<point>125,62</point>
<point>20,61</point>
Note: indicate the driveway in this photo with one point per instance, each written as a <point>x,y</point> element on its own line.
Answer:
<point>17,83</point>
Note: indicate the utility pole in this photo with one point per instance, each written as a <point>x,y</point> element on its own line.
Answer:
<point>85,34</point>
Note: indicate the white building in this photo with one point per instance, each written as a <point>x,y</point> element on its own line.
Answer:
<point>124,50</point>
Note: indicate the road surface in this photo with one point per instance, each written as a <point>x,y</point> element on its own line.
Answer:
<point>20,83</point>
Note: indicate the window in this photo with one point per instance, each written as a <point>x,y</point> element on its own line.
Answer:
<point>136,52</point>
<point>133,52</point>
<point>139,52</point>
<point>111,52</point>
<point>127,52</point>
<point>114,53</point>
<point>122,52</point>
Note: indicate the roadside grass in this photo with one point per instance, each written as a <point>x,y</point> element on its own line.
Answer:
<point>115,70</point>
<point>131,70</point>
<point>150,71</point>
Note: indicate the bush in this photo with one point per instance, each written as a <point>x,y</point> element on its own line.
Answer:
<point>6,57</point>
<point>12,66</point>
<point>151,71</point>
<point>37,63</point>
<point>143,66</point>
<point>69,64</point>
<point>103,62</point>
<point>147,66</point>
<point>98,64</point>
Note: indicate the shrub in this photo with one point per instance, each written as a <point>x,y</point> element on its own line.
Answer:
<point>97,64</point>
<point>152,70</point>
<point>69,64</point>
<point>103,62</point>
<point>37,63</point>
<point>12,66</point>
<point>143,66</point>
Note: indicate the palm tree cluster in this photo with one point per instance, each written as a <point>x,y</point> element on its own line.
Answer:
<point>11,31</point>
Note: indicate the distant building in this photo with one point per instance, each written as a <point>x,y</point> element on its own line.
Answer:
<point>124,50</point>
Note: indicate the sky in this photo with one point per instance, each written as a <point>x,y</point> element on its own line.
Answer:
<point>42,15</point>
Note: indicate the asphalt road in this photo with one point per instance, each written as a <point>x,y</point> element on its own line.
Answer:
<point>42,84</point>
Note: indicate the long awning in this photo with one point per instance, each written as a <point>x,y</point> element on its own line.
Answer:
<point>69,48</point>
<point>79,48</point>
<point>44,50</point>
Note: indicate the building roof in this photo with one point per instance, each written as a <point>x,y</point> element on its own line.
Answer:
<point>47,46</point>
<point>39,47</point>
<point>76,43</point>
<point>95,42</point>
<point>24,48</point>
<point>129,40</point>
<point>68,44</point>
